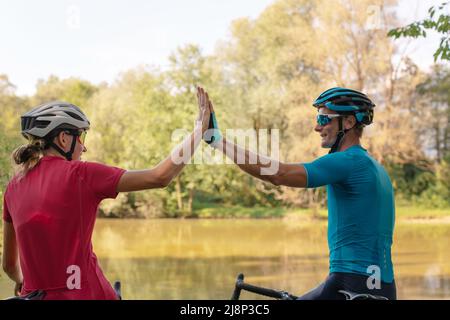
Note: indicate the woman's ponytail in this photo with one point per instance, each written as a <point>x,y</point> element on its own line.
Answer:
<point>27,156</point>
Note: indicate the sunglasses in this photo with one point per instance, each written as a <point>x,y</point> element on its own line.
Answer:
<point>81,135</point>
<point>324,119</point>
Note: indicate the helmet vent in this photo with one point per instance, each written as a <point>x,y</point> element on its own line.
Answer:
<point>74,115</point>
<point>42,124</point>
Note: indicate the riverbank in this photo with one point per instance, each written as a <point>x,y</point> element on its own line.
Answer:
<point>220,211</point>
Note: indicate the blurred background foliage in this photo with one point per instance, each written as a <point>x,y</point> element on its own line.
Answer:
<point>264,76</point>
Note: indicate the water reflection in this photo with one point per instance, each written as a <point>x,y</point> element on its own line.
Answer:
<point>200,259</point>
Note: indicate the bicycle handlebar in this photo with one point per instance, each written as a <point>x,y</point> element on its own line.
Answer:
<point>240,285</point>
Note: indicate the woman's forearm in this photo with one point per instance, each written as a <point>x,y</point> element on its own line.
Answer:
<point>170,167</point>
<point>163,173</point>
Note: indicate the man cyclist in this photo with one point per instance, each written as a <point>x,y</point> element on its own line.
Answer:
<point>361,206</point>
<point>51,203</point>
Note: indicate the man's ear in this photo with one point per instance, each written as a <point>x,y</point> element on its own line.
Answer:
<point>349,122</point>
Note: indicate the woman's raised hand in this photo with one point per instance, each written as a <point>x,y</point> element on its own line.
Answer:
<point>204,110</point>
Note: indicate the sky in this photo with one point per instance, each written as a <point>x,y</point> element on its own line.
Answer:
<point>96,40</point>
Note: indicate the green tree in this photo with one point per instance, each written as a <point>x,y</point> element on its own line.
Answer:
<point>276,67</point>
<point>11,107</point>
<point>434,92</point>
<point>438,20</point>
<point>189,68</point>
<point>131,128</point>
<point>73,90</point>
<point>269,66</point>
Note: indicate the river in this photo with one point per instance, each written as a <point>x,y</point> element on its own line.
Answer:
<point>200,259</point>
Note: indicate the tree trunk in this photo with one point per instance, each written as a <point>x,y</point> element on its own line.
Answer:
<point>445,147</point>
<point>438,141</point>
<point>178,193</point>
<point>191,200</point>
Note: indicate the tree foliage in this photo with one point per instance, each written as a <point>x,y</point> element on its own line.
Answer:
<point>264,76</point>
<point>439,21</point>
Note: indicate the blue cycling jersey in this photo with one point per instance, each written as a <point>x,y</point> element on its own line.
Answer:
<point>361,211</point>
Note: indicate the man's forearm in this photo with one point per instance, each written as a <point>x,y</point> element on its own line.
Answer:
<point>257,165</point>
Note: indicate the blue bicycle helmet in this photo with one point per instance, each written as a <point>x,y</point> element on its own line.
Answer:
<point>346,102</point>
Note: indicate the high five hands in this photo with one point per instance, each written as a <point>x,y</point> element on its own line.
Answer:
<point>204,110</point>
<point>210,128</point>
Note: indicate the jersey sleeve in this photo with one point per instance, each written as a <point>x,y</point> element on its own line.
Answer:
<point>329,169</point>
<point>101,179</point>
<point>6,214</point>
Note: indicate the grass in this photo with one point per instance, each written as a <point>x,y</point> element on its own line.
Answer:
<point>223,211</point>
<point>410,212</point>
<point>212,210</point>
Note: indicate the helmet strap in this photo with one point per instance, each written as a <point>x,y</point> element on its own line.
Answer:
<point>67,155</point>
<point>340,136</point>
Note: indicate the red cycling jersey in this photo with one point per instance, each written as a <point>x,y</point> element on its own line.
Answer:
<point>53,210</point>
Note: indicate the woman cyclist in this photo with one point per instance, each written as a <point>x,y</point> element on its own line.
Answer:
<point>50,205</point>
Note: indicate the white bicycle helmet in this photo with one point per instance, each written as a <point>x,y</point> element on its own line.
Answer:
<point>47,119</point>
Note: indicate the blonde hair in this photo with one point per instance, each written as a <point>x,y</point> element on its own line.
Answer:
<point>27,156</point>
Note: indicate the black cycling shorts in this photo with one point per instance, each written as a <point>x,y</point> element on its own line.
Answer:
<point>329,290</point>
